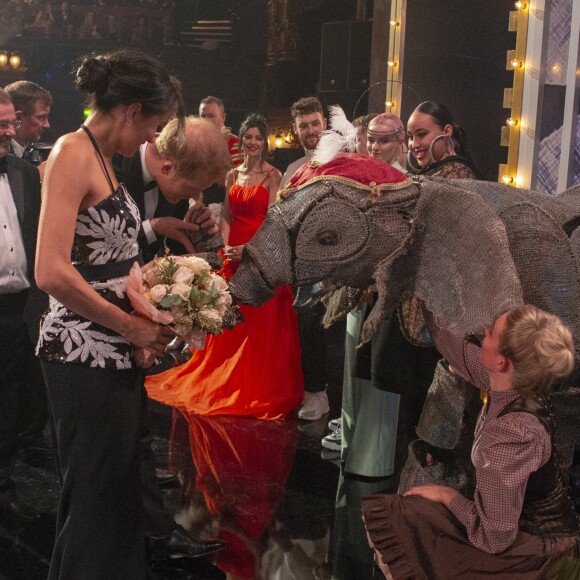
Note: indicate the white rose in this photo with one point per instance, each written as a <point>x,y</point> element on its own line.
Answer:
<point>225,298</point>
<point>152,277</point>
<point>219,283</point>
<point>223,302</point>
<point>158,292</point>
<point>193,263</point>
<point>211,315</point>
<point>181,289</point>
<point>183,274</point>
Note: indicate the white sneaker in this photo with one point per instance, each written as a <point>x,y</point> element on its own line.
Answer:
<point>314,406</point>
<point>334,440</point>
<point>334,424</point>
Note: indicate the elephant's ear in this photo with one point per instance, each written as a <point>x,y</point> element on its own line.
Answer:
<point>457,261</point>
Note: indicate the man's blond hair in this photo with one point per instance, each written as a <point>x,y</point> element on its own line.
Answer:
<point>199,146</point>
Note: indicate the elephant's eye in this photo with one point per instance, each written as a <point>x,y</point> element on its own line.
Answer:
<point>327,238</point>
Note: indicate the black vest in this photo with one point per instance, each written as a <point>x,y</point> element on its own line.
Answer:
<point>548,509</point>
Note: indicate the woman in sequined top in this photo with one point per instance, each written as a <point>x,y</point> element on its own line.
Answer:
<point>87,244</point>
<point>520,523</point>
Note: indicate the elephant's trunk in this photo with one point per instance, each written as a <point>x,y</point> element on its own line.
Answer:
<point>266,262</point>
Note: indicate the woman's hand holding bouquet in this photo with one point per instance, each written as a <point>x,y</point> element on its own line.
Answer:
<point>180,291</point>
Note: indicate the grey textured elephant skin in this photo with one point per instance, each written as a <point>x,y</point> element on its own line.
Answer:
<point>469,250</point>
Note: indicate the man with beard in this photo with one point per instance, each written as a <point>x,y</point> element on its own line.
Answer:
<point>308,122</point>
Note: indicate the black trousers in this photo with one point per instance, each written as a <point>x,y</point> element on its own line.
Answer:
<point>20,378</point>
<point>98,422</point>
<point>157,520</point>
<point>313,341</point>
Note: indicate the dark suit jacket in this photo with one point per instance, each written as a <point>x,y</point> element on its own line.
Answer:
<point>25,186</point>
<point>130,171</point>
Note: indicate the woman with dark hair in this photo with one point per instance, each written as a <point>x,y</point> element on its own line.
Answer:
<point>521,523</point>
<point>438,145</point>
<point>253,369</point>
<point>87,243</point>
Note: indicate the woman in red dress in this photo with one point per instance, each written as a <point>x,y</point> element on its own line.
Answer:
<point>253,369</point>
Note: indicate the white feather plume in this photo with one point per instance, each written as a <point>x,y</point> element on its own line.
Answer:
<point>340,137</point>
<point>339,122</point>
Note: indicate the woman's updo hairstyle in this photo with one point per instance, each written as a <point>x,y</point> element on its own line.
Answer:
<point>124,77</point>
<point>255,120</point>
<point>540,348</point>
<point>443,117</point>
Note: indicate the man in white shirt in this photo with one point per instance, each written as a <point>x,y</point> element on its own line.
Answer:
<point>308,123</point>
<point>32,104</point>
<point>19,369</point>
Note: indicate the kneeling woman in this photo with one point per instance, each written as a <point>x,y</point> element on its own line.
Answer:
<point>520,524</point>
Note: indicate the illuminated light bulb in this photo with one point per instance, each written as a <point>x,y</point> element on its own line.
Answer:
<point>15,61</point>
<point>520,5</point>
<point>278,142</point>
<point>390,104</point>
<point>516,63</point>
<point>3,59</point>
<point>511,122</point>
<point>393,23</point>
<point>391,63</point>
<point>507,179</point>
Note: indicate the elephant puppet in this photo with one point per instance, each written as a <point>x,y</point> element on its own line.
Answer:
<point>467,250</point>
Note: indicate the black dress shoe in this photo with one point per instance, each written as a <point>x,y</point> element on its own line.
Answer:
<point>179,544</point>
<point>14,508</point>
<point>166,478</point>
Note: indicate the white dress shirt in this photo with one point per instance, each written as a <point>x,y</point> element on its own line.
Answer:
<point>17,149</point>
<point>294,167</point>
<point>13,264</point>
<point>151,198</point>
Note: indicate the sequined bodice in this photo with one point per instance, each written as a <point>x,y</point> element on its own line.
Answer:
<point>104,233</point>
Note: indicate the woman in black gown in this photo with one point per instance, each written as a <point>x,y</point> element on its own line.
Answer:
<point>87,244</point>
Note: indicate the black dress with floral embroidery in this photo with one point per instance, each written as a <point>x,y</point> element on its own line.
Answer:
<point>104,233</point>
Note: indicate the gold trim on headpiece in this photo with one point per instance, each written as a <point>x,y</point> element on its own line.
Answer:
<point>373,189</point>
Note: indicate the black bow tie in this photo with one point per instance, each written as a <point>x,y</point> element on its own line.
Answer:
<point>150,186</point>
<point>3,164</point>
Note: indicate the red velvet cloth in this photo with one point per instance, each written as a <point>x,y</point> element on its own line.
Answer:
<point>361,168</point>
<point>253,368</point>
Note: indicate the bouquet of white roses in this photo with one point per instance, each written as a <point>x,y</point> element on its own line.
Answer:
<point>181,291</point>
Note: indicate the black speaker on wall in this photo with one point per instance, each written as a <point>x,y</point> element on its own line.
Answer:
<point>345,56</point>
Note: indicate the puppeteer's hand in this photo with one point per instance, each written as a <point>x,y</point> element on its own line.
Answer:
<point>202,216</point>
<point>175,229</point>
<point>436,493</point>
<point>234,253</point>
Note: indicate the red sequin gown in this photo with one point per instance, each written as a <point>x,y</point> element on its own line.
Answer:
<point>253,369</point>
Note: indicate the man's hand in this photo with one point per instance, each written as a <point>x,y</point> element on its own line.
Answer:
<point>175,229</point>
<point>202,217</point>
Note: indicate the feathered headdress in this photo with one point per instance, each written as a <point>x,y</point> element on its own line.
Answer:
<point>340,137</point>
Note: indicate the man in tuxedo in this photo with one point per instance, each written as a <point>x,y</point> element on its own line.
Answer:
<point>19,368</point>
<point>162,177</point>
